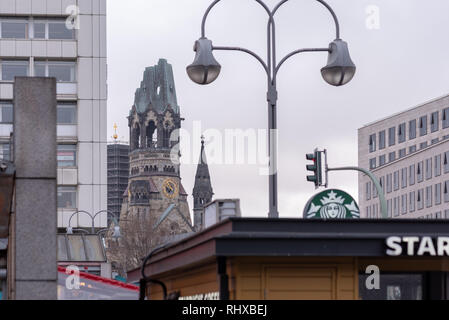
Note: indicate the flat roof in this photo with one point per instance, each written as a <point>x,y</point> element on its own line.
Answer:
<point>407,110</point>
<point>256,237</point>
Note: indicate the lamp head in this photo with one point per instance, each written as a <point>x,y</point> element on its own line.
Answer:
<point>204,69</point>
<point>116,233</point>
<point>339,69</point>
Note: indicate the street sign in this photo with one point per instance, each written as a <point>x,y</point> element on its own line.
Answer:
<point>332,204</point>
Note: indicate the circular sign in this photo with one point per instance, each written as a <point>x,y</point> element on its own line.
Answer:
<point>332,204</point>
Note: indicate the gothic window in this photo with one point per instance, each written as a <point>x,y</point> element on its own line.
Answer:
<point>151,135</point>
<point>136,137</point>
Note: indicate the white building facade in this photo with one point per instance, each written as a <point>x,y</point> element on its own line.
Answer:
<point>65,39</point>
<point>409,154</point>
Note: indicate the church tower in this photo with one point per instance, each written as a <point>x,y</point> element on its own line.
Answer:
<point>202,191</point>
<point>154,177</point>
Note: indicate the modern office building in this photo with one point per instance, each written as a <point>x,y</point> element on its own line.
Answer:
<point>409,153</point>
<point>65,39</point>
<point>118,173</point>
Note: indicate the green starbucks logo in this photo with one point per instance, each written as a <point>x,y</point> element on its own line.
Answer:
<point>332,204</point>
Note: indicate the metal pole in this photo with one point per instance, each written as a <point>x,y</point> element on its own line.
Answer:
<point>383,202</point>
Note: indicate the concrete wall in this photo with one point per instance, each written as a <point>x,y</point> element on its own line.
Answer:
<point>35,246</point>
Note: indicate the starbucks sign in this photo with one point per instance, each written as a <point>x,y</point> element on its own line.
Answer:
<point>332,204</point>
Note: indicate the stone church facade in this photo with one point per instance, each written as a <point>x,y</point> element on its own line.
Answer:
<point>154,178</point>
<point>155,208</point>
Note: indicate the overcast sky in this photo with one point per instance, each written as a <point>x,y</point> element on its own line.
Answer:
<point>401,64</point>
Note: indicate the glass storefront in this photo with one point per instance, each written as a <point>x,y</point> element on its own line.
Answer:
<point>400,286</point>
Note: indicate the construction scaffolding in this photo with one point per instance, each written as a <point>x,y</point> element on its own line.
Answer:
<point>118,173</point>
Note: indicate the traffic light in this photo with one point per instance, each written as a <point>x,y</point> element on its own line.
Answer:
<point>316,168</point>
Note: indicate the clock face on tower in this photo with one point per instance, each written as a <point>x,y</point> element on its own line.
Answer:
<point>170,188</point>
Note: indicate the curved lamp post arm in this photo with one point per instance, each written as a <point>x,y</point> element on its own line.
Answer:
<point>246,51</point>
<point>297,52</point>
<point>77,212</point>
<point>324,3</point>
<point>383,202</point>
<point>206,14</point>
<point>103,211</point>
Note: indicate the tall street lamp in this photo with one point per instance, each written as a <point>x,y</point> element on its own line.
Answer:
<point>339,70</point>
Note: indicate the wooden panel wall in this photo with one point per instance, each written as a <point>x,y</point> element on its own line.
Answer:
<point>296,278</point>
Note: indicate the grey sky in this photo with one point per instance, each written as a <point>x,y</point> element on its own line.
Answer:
<point>402,64</point>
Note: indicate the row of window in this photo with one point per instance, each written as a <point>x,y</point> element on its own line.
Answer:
<point>413,201</point>
<point>63,71</point>
<point>66,113</point>
<point>373,212</point>
<point>400,132</point>
<point>415,173</point>
<point>66,154</point>
<point>23,28</point>
<point>393,156</point>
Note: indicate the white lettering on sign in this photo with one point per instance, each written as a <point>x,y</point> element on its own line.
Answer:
<point>416,246</point>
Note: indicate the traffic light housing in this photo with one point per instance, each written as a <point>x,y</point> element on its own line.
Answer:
<point>315,168</point>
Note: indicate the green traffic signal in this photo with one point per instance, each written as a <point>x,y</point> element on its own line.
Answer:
<point>316,178</point>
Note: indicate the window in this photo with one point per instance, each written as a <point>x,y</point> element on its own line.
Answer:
<point>372,143</point>
<point>392,156</point>
<point>446,191</point>
<point>372,163</point>
<point>445,118</point>
<point>58,30</point>
<point>404,178</point>
<point>14,29</point>
<point>389,183</point>
<point>429,197</point>
<point>5,151</point>
<point>382,184</point>
<point>412,201</point>
<point>53,29</point>
<point>402,153</point>
<point>66,197</point>
<point>435,141</point>
<point>396,206</point>
<point>412,129</point>
<point>422,126</point>
<point>382,160</point>
<point>404,204</point>
<point>6,112</point>
<point>396,180</point>
<point>423,145</point>
<point>412,174</point>
<point>66,113</point>
<point>438,194</point>
<point>446,162</point>
<point>66,155</point>
<point>391,136</point>
<point>382,140</point>
<point>420,199</point>
<point>434,122</point>
<point>401,133</point>
<point>419,171</point>
<point>13,68</point>
<point>428,169</point>
<point>437,165</point>
<point>62,71</point>
<point>389,209</point>
<point>368,191</point>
